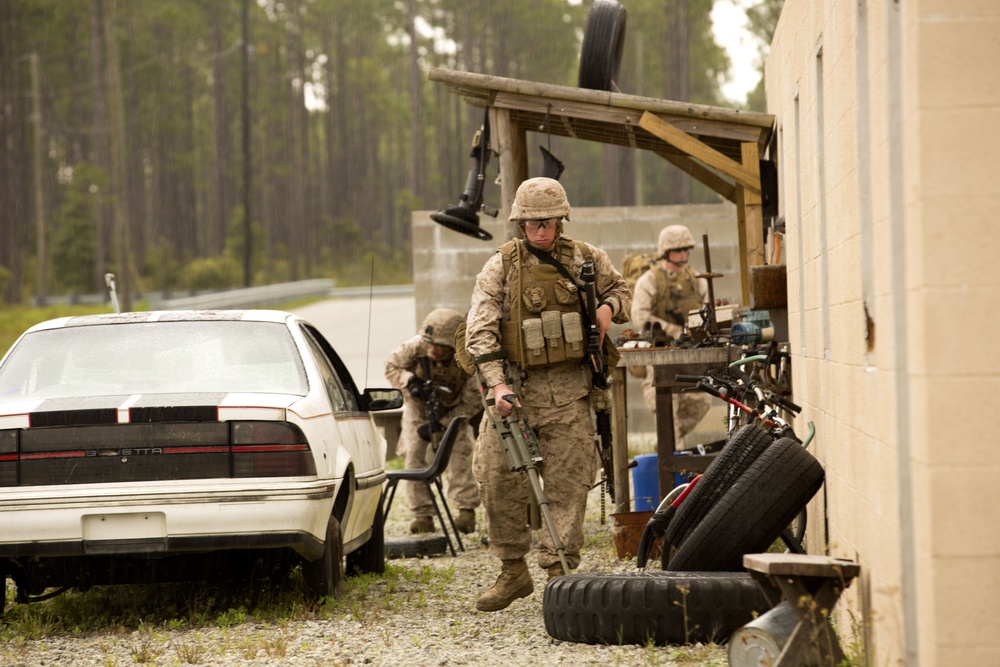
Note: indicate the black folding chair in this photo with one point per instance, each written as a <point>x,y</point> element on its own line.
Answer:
<point>431,477</point>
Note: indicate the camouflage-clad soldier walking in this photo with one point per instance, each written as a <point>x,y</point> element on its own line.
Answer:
<point>458,394</point>
<point>523,304</point>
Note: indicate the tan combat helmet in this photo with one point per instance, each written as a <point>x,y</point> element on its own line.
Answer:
<point>439,327</point>
<point>539,199</point>
<point>674,237</point>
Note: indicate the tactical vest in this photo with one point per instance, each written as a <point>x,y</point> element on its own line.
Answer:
<point>449,376</point>
<point>544,326</point>
<point>676,294</point>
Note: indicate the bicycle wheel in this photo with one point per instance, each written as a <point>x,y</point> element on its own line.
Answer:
<point>752,514</point>
<point>744,447</point>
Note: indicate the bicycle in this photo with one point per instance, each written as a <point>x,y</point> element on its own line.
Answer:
<point>756,406</point>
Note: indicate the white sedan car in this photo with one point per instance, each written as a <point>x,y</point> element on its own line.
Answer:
<point>180,446</point>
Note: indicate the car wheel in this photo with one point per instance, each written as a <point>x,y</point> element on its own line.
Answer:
<point>752,514</point>
<point>322,576</point>
<point>603,42</point>
<point>657,607</point>
<point>416,547</point>
<point>369,558</point>
<point>734,459</point>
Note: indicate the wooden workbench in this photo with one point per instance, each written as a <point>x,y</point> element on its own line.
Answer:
<point>666,363</point>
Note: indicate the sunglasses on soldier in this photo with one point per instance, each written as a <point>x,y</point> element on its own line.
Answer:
<point>535,225</point>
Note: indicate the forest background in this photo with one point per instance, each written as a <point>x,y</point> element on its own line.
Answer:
<point>140,133</point>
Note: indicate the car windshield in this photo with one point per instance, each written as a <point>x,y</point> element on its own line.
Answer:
<point>154,357</point>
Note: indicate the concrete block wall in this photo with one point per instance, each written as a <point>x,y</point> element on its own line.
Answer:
<point>446,263</point>
<point>886,114</point>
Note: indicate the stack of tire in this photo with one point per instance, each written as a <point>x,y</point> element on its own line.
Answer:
<point>747,497</point>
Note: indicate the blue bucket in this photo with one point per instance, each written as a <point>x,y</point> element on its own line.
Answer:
<point>646,482</point>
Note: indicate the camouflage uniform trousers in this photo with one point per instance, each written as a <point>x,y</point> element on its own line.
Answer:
<point>463,492</point>
<point>689,408</point>
<point>569,466</point>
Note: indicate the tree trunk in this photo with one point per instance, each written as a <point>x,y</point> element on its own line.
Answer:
<point>116,135</point>
<point>677,182</point>
<point>102,159</point>
<point>221,163</point>
<point>418,165</point>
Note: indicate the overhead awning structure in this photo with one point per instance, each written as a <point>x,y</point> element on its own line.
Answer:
<point>717,146</point>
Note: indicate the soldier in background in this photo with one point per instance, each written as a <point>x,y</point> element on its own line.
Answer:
<point>458,396</point>
<point>519,289</point>
<point>665,294</point>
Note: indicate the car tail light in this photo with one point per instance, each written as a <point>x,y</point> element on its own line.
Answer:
<point>270,449</point>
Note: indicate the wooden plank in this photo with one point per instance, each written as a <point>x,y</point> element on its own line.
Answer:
<point>702,174</point>
<point>698,149</point>
<point>741,234</point>
<point>623,117</point>
<point>478,85</point>
<point>802,565</point>
<point>652,356</point>
<point>619,440</point>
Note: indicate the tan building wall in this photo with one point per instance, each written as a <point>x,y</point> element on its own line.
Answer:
<point>445,263</point>
<point>887,117</point>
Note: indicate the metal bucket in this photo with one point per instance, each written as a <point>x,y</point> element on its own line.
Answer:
<point>759,642</point>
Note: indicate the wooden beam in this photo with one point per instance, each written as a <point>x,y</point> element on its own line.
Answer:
<point>703,175</point>
<point>754,209</point>
<point>697,149</point>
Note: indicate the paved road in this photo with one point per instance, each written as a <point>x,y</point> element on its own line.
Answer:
<point>364,331</point>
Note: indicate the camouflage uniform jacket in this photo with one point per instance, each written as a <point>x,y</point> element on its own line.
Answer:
<point>649,305</point>
<point>403,363</point>
<point>491,304</point>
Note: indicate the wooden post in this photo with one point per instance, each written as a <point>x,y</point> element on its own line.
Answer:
<point>750,215</point>
<point>509,142</point>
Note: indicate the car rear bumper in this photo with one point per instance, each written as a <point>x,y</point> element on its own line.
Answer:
<point>166,521</point>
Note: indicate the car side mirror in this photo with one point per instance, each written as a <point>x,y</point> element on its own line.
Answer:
<point>376,400</point>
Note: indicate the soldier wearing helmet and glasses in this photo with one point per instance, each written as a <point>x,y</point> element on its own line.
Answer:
<point>526,306</point>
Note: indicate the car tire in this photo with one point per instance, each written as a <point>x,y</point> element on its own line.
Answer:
<point>321,577</point>
<point>742,450</point>
<point>603,42</point>
<point>658,607</point>
<point>416,547</point>
<point>369,558</point>
<point>752,514</point>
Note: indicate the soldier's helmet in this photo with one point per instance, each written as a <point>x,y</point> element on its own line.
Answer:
<point>439,327</point>
<point>674,237</point>
<point>539,199</point>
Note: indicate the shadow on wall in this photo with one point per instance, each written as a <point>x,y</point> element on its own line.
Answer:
<point>445,263</point>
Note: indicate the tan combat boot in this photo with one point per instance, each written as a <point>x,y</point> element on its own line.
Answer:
<point>466,521</point>
<point>514,582</point>
<point>422,524</point>
<point>554,571</point>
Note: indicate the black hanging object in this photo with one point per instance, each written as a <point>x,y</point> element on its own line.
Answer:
<point>552,166</point>
<point>463,217</point>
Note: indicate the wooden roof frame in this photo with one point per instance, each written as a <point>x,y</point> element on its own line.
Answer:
<point>717,146</point>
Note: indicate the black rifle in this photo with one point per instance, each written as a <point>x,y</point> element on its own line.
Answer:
<point>598,374</point>
<point>431,396</point>
<point>520,447</point>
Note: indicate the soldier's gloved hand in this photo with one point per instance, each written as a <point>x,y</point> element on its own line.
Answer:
<point>427,431</point>
<point>416,387</point>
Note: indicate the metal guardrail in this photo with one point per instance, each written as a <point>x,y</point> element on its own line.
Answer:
<point>249,297</point>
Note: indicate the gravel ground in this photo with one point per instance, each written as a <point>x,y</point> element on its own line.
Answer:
<point>431,621</point>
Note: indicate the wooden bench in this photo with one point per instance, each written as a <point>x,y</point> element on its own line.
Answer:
<point>811,585</point>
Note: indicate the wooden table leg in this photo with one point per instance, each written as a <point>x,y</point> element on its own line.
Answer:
<point>665,445</point>
<point>813,600</point>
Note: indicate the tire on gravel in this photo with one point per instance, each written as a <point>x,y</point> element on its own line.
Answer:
<point>742,450</point>
<point>369,558</point>
<point>603,42</point>
<point>658,607</point>
<point>321,577</point>
<point>752,514</point>
<point>416,547</point>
